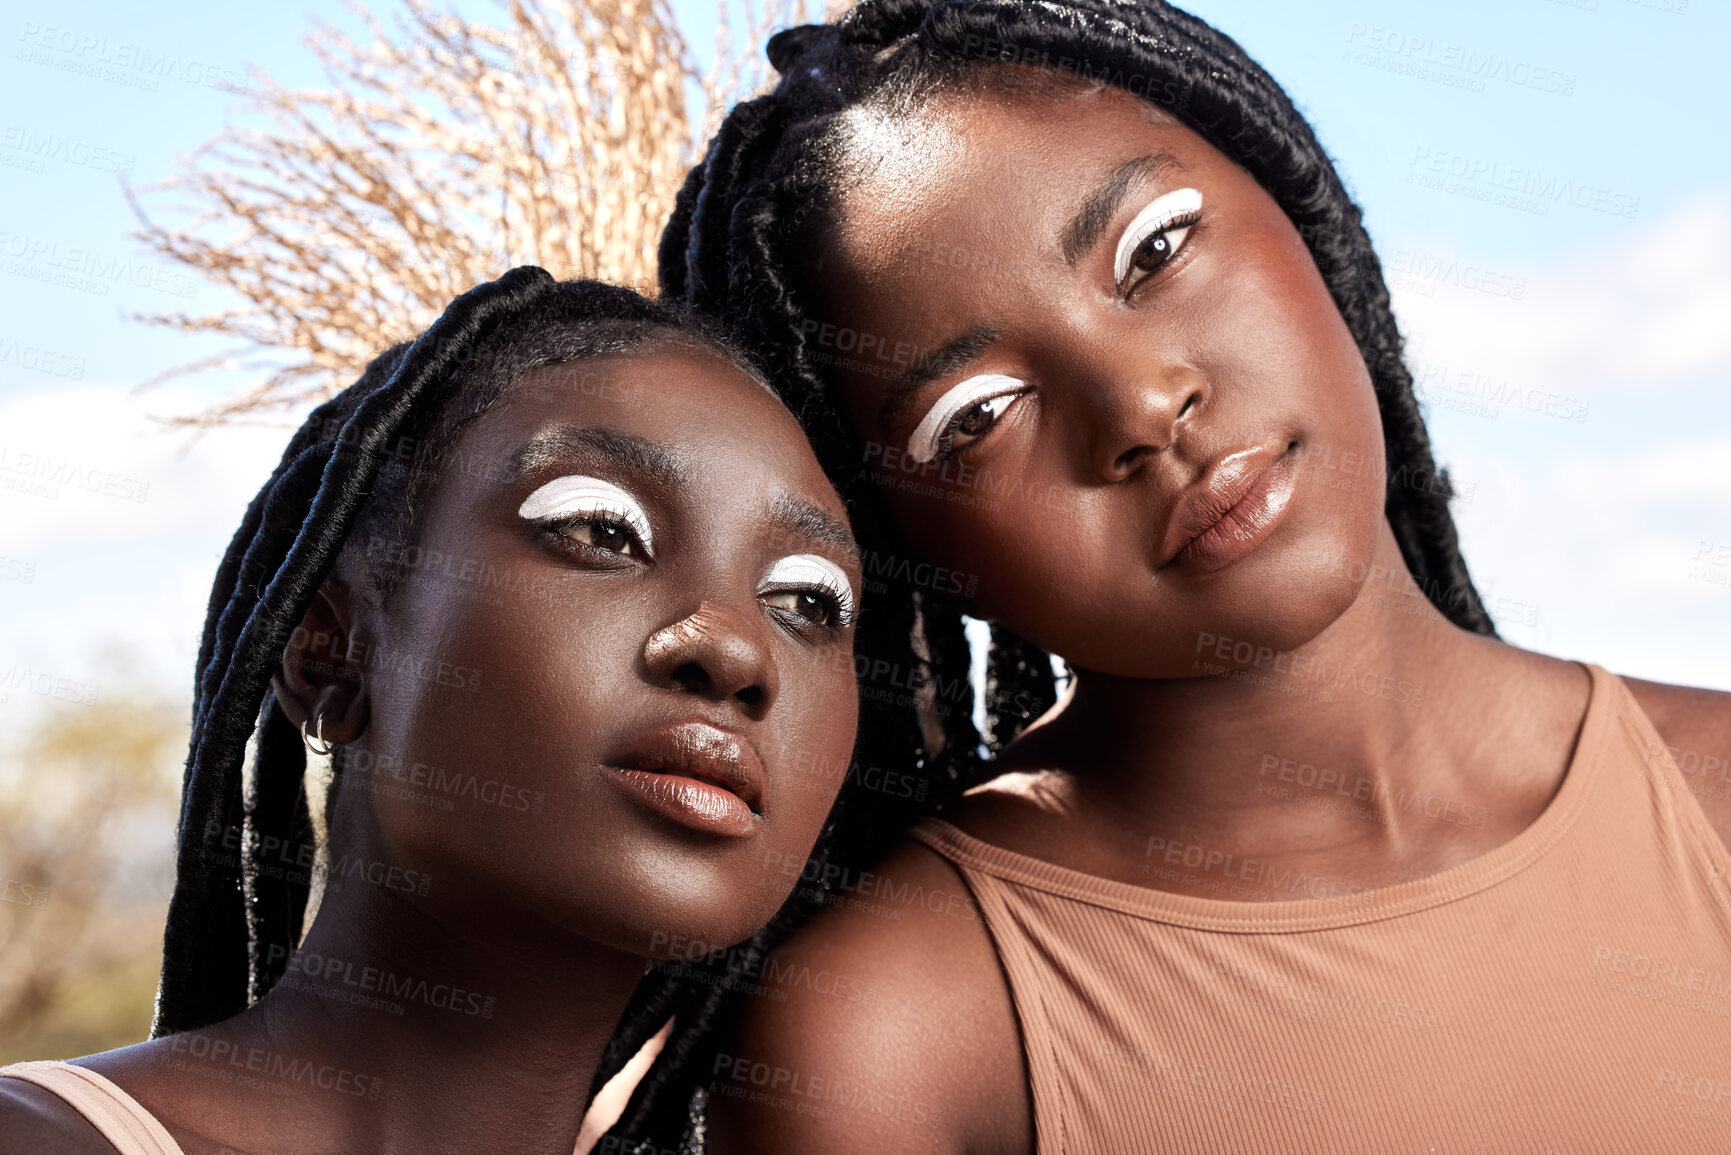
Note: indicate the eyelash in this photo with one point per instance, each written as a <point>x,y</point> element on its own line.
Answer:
<point>575,500</point>
<point>559,528</point>
<point>1183,211</point>
<point>1184,222</point>
<point>835,591</point>
<point>947,442</point>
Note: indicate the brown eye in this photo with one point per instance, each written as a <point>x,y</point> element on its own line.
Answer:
<point>820,609</point>
<point>603,534</point>
<point>1156,250</point>
<point>976,420</point>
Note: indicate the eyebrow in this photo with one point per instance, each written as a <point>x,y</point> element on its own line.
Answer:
<point>905,387</point>
<point>801,518</point>
<point>628,451</point>
<point>1084,230</point>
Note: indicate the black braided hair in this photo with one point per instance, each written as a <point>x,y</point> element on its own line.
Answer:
<point>351,477</point>
<point>733,249</point>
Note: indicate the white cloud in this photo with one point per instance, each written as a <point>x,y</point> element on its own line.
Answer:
<point>1608,524</point>
<point>84,572</point>
<point>67,445</point>
<point>1649,308</point>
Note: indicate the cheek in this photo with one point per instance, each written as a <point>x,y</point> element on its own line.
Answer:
<point>1017,546</point>
<point>497,709</point>
<point>810,744</point>
<point>523,676</point>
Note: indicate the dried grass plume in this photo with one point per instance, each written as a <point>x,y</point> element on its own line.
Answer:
<point>441,153</point>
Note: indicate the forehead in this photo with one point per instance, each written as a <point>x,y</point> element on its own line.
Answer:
<point>726,429</point>
<point>974,171</point>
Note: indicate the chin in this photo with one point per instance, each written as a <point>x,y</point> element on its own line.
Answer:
<point>1275,607</point>
<point>682,925</point>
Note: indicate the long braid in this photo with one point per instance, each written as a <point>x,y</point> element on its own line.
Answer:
<point>279,822</point>
<point>730,251</point>
<point>206,971</point>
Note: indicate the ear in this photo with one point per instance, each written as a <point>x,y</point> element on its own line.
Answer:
<point>322,677</point>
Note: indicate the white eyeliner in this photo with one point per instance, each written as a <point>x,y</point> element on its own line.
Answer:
<point>568,496</point>
<point>929,436</point>
<point>806,570</point>
<point>1158,215</point>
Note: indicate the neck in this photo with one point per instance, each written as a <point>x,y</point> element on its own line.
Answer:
<point>482,1025</point>
<point>1319,751</point>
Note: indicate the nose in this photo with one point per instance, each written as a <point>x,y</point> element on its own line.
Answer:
<point>1140,410</point>
<point>716,652</point>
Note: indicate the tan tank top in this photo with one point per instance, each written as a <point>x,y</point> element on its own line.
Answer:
<point>1569,991</point>
<point>120,1118</point>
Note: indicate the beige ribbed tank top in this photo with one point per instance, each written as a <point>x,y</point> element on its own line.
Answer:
<point>120,1118</point>
<point>1569,991</point>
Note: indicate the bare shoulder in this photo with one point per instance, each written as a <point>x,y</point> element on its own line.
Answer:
<point>1696,725</point>
<point>885,1025</point>
<point>34,1121</point>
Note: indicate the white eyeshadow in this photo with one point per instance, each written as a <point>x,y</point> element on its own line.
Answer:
<point>1159,213</point>
<point>567,496</point>
<point>924,444</point>
<point>809,569</point>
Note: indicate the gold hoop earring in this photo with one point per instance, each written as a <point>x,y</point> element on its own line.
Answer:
<point>322,747</point>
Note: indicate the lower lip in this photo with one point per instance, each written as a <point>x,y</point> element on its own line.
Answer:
<point>1247,524</point>
<point>691,803</point>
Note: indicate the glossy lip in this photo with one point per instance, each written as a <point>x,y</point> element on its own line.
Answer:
<point>1231,510</point>
<point>697,774</point>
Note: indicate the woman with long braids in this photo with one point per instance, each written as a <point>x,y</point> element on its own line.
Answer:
<point>1078,314</point>
<point>563,591</point>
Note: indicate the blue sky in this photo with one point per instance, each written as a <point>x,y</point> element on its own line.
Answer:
<point>1548,183</point>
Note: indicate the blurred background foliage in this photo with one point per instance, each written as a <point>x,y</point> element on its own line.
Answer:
<point>88,796</point>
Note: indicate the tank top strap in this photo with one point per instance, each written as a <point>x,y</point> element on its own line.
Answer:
<point>117,1115</point>
<point>1669,790</point>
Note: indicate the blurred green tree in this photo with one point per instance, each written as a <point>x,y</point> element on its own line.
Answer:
<point>87,806</point>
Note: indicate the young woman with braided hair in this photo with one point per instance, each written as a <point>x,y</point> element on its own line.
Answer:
<point>563,591</point>
<point>1074,307</point>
